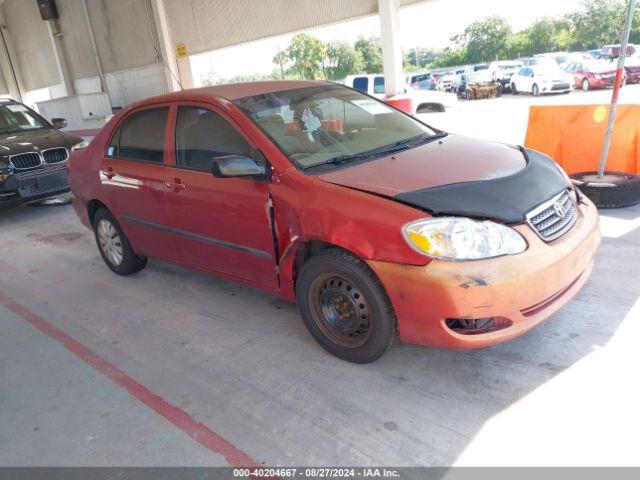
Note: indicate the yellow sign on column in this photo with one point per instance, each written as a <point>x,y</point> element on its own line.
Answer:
<point>181,50</point>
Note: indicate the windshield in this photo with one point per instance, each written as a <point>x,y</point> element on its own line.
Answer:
<point>317,125</point>
<point>15,117</point>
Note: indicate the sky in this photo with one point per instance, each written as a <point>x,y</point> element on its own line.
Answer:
<point>429,24</point>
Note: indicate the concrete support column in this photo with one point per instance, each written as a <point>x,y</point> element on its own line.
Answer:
<point>184,71</point>
<point>391,49</point>
<point>60,59</point>
<point>177,70</point>
<point>8,63</point>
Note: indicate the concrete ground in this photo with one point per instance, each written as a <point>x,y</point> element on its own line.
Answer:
<point>171,367</point>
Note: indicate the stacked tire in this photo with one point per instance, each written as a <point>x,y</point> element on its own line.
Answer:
<point>613,190</point>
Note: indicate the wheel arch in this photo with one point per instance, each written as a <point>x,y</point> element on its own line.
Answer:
<point>296,255</point>
<point>430,107</point>
<point>93,206</point>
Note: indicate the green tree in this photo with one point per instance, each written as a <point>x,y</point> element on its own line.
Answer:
<point>544,35</point>
<point>307,55</point>
<point>280,59</point>
<point>598,23</point>
<point>342,59</point>
<point>371,53</point>
<point>486,40</point>
<point>450,57</point>
<point>420,57</point>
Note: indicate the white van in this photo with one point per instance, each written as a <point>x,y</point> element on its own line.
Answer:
<point>424,101</point>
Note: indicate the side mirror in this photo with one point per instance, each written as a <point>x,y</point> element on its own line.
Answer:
<point>59,123</point>
<point>231,166</point>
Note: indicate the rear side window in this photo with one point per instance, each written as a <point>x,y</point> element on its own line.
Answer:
<point>203,135</point>
<point>361,83</point>
<point>378,85</point>
<point>141,136</point>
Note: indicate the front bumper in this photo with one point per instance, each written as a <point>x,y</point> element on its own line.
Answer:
<point>556,87</point>
<point>31,186</point>
<point>522,290</point>
<point>603,82</point>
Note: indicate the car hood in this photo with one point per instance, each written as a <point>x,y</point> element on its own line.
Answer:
<point>34,140</point>
<point>453,159</point>
<point>460,176</point>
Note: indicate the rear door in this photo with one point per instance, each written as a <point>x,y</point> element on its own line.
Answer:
<point>133,176</point>
<point>220,224</point>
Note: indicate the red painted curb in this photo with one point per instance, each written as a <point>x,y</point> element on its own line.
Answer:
<point>178,417</point>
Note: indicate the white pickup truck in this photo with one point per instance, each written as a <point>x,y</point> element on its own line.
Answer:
<point>423,101</point>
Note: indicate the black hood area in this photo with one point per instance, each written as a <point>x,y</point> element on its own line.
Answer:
<point>33,141</point>
<point>505,199</point>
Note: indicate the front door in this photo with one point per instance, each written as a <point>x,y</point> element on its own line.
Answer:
<point>133,177</point>
<point>220,224</point>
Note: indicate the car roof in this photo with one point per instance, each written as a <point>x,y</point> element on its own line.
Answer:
<point>233,91</point>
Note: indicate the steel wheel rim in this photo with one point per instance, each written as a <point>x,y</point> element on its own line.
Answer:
<point>110,242</point>
<point>340,310</point>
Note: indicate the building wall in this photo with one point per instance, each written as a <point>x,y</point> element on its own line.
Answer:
<point>32,44</point>
<point>124,39</point>
<point>4,90</point>
<point>122,33</point>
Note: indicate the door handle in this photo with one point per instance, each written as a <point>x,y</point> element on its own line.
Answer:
<point>175,185</point>
<point>108,173</point>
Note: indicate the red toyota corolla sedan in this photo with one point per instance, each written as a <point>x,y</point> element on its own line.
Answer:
<point>375,223</point>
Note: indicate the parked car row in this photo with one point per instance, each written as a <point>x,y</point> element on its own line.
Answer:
<point>556,72</point>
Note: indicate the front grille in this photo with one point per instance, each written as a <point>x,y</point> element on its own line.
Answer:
<point>55,155</point>
<point>27,174</point>
<point>23,161</point>
<point>554,217</point>
<point>560,86</point>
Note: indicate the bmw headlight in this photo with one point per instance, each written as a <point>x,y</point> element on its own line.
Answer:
<point>462,239</point>
<point>80,146</point>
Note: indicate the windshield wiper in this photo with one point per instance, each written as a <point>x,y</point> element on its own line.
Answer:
<point>398,146</point>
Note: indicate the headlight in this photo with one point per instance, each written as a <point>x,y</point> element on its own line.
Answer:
<point>462,239</point>
<point>80,145</point>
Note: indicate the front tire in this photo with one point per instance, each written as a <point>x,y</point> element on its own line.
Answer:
<point>114,246</point>
<point>345,307</point>
<point>535,90</point>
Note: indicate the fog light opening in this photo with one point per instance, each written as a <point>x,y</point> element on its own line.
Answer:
<point>476,326</point>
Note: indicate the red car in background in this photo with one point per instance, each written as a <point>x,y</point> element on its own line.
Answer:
<point>592,74</point>
<point>378,225</point>
<point>632,68</point>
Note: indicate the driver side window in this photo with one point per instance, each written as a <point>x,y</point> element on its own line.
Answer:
<point>203,135</point>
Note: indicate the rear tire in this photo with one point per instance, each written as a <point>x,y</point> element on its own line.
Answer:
<point>586,86</point>
<point>514,90</point>
<point>535,90</point>
<point>345,307</point>
<point>114,246</point>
